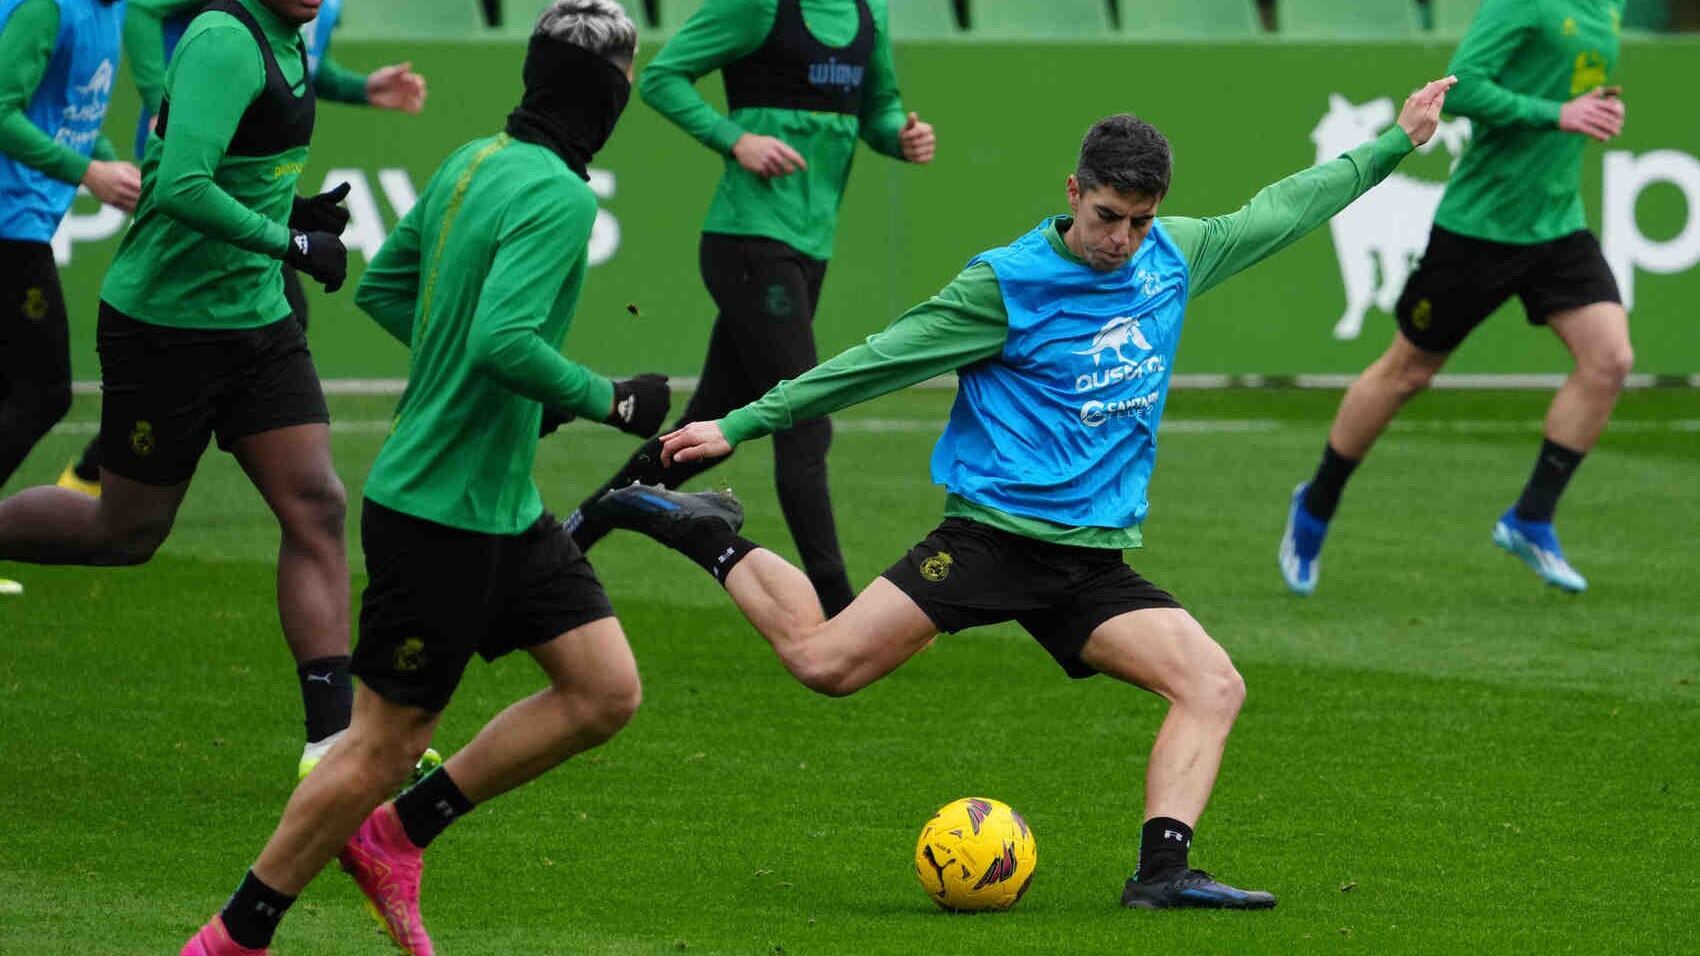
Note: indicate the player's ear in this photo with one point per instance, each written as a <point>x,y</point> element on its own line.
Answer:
<point>1073,194</point>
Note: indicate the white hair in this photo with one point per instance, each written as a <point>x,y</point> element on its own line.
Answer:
<point>599,26</point>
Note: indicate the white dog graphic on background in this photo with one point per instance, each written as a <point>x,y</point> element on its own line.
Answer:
<point>1379,238</point>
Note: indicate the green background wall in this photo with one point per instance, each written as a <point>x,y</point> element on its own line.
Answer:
<point>1009,119</point>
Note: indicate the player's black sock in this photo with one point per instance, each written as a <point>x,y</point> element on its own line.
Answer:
<point>1553,469</point>
<point>88,466</point>
<point>1323,494</point>
<point>1163,845</point>
<point>429,806</point>
<point>327,693</point>
<point>253,912</point>
<point>718,550</point>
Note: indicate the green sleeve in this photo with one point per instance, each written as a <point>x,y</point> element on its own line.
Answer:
<point>540,239</point>
<point>883,115</point>
<point>964,323</point>
<point>103,150</point>
<point>338,83</point>
<point>1500,28</point>
<point>26,44</point>
<point>144,44</point>
<point>720,32</point>
<point>215,75</point>
<point>1281,214</point>
<point>389,291</point>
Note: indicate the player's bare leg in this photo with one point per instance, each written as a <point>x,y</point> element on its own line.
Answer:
<point>1370,403</point>
<point>292,469</point>
<point>880,629</point>
<point>1597,336</point>
<point>125,526</point>
<point>593,692</point>
<point>1165,651</point>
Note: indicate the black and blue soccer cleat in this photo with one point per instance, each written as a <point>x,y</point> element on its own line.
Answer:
<point>670,517</point>
<point>1191,889</point>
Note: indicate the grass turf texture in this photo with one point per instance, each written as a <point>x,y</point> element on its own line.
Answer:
<point>1438,754</point>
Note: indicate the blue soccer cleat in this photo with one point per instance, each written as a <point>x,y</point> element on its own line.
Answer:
<point>1301,545</point>
<point>1191,889</point>
<point>1537,544</point>
<point>670,517</point>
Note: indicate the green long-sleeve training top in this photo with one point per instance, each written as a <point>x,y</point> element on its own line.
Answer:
<point>1520,179</point>
<point>966,322</point>
<point>26,45</point>
<point>206,246</point>
<point>801,209</point>
<point>144,48</point>
<point>480,281</point>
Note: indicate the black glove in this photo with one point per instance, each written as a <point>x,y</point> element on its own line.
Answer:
<point>320,255</point>
<point>321,213</point>
<point>641,404</point>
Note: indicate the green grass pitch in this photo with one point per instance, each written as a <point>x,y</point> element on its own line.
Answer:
<point>1438,755</point>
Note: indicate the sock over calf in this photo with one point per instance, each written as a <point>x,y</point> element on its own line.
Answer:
<point>1553,468</point>
<point>1322,496</point>
<point>327,694</point>
<point>427,808</point>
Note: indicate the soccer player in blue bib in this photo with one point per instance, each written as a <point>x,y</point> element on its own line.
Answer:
<point>1063,342</point>
<point>57,59</point>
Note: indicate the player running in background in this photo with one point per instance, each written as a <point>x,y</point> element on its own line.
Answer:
<point>196,339</point>
<point>1532,77</point>
<point>152,30</point>
<point>480,281</point>
<point>804,79</point>
<point>57,59</point>
<point>1063,342</point>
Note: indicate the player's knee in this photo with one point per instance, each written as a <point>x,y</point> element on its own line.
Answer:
<point>830,676</point>
<point>1609,370</point>
<point>1224,691</point>
<point>614,706</point>
<point>1410,379</point>
<point>318,509</point>
<point>133,542</point>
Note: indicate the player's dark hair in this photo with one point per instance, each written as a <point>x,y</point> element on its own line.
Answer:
<point>1125,153</point>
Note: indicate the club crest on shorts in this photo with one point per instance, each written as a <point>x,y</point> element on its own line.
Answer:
<point>410,656</point>
<point>141,438</point>
<point>35,304</point>
<point>937,567</point>
<point>1422,314</point>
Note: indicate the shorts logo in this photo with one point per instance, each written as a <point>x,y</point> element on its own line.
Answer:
<point>778,300</point>
<point>937,567</point>
<point>1422,316</point>
<point>141,439</point>
<point>35,304</point>
<point>410,656</point>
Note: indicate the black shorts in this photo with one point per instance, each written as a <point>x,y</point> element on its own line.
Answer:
<point>1461,281</point>
<point>436,595</point>
<point>966,574</point>
<point>166,391</point>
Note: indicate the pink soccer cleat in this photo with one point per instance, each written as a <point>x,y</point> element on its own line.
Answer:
<point>387,866</point>
<point>214,940</point>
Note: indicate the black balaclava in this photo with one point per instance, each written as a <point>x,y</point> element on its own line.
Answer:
<point>572,99</point>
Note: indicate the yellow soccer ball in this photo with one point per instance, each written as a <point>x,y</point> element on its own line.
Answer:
<point>976,854</point>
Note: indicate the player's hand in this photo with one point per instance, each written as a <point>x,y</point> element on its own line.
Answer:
<point>1597,114</point>
<point>640,404</point>
<point>320,255</point>
<point>321,213</point>
<point>116,184</point>
<point>1421,115</point>
<point>695,441</point>
<point>553,418</point>
<point>766,156</point>
<point>917,140</point>
<point>396,88</point>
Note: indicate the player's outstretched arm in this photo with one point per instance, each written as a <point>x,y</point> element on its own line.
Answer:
<point>1282,213</point>
<point>963,324</point>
